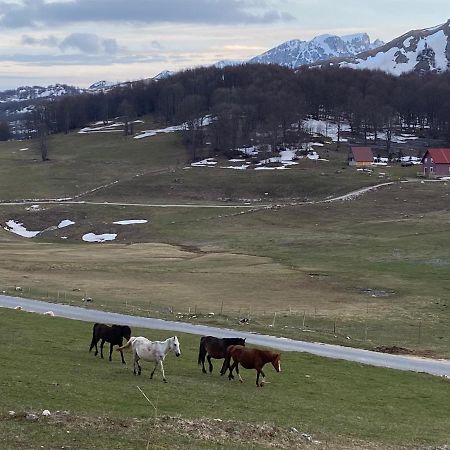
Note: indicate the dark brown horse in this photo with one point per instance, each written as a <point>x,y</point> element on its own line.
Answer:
<point>114,335</point>
<point>250,358</point>
<point>212,347</point>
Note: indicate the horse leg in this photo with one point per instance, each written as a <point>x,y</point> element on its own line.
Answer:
<point>101,347</point>
<point>224,368</point>
<point>162,370</point>
<point>110,350</point>
<point>263,378</point>
<point>232,367</point>
<point>154,368</point>
<point>210,363</point>
<point>226,364</point>
<point>121,355</point>
<point>136,363</point>
<point>237,371</point>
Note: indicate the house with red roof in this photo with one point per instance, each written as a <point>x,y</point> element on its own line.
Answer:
<point>360,157</point>
<point>436,162</point>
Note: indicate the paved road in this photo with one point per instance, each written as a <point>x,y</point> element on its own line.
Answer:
<point>434,367</point>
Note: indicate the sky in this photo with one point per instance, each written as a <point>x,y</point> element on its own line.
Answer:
<point>79,42</point>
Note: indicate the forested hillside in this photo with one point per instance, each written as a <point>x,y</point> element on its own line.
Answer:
<point>263,103</point>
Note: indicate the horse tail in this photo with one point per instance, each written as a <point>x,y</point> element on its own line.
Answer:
<point>93,336</point>
<point>127,344</point>
<point>201,352</point>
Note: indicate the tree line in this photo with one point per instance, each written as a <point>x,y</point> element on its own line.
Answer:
<point>265,104</point>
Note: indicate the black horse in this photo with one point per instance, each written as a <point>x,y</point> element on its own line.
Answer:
<point>114,335</point>
<point>212,347</point>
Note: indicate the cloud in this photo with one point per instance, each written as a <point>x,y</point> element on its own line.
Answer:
<point>45,60</point>
<point>89,43</point>
<point>49,41</point>
<point>40,13</point>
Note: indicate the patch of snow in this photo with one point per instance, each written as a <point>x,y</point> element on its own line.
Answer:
<point>18,228</point>
<point>313,156</point>
<point>248,151</point>
<point>65,223</point>
<point>325,128</point>
<point>92,237</point>
<point>272,168</point>
<point>203,122</point>
<point>130,222</point>
<point>204,163</point>
<point>23,149</point>
<point>110,127</point>
<point>243,167</point>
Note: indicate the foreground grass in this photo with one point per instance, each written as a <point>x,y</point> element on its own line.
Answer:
<point>46,365</point>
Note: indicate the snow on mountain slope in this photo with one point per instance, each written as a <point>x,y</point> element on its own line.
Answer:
<point>26,93</point>
<point>296,53</point>
<point>426,50</point>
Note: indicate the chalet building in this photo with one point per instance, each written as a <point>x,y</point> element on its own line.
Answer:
<point>360,157</point>
<point>436,162</point>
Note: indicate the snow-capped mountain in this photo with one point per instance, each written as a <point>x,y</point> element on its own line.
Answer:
<point>101,85</point>
<point>426,50</point>
<point>26,93</point>
<point>162,75</point>
<point>296,53</point>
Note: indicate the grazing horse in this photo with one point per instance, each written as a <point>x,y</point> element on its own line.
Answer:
<point>215,348</point>
<point>114,335</point>
<point>251,358</point>
<point>154,351</point>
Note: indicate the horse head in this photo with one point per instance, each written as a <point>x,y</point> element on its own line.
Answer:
<point>276,362</point>
<point>175,346</point>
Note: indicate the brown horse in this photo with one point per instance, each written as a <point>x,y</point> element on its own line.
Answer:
<point>212,347</point>
<point>114,335</point>
<point>250,358</point>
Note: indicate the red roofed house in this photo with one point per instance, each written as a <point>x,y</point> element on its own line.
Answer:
<point>436,161</point>
<point>360,157</point>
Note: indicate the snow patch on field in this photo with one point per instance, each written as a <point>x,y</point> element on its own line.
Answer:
<point>65,223</point>
<point>92,237</point>
<point>130,222</point>
<point>19,229</point>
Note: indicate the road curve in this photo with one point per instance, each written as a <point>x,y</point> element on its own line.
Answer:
<point>430,366</point>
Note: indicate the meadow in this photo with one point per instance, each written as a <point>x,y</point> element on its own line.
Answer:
<point>368,271</point>
<point>95,403</point>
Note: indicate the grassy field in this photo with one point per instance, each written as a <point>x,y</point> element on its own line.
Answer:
<point>96,404</point>
<point>365,272</point>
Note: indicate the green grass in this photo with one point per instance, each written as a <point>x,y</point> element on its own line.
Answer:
<point>316,260</point>
<point>80,162</point>
<point>46,365</point>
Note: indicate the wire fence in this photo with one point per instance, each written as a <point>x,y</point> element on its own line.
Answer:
<point>426,333</point>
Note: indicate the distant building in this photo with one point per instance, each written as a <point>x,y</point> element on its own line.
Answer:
<point>436,161</point>
<point>360,157</point>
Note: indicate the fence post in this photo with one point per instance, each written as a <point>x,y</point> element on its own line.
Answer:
<point>304,318</point>
<point>420,330</point>
<point>274,317</point>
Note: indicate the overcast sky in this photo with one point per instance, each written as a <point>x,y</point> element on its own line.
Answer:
<point>79,42</point>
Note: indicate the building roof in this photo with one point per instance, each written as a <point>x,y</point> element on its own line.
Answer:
<point>362,154</point>
<point>439,155</point>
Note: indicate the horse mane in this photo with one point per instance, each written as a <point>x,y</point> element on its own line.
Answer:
<point>234,341</point>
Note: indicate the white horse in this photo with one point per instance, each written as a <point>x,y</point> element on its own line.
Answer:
<point>154,351</point>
